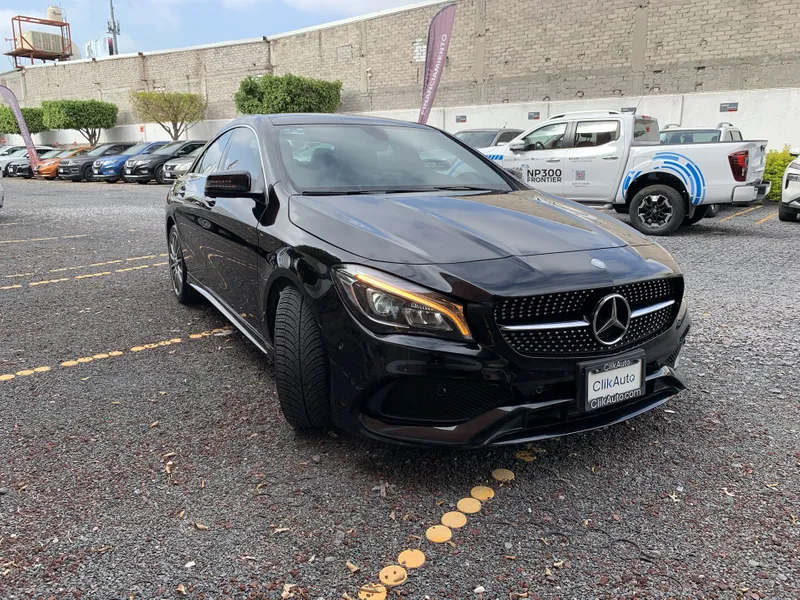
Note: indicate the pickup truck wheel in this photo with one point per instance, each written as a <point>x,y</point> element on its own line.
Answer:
<point>784,214</point>
<point>301,364</point>
<point>658,210</point>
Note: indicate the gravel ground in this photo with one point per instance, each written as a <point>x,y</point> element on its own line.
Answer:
<point>167,471</point>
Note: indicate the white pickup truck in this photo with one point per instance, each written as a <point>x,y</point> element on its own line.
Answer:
<point>603,157</point>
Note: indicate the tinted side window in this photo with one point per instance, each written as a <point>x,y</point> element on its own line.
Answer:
<point>596,133</point>
<point>211,157</point>
<point>507,137</point>
<point>190,148</point>
<point>243,154</point>
<point>548,137</point>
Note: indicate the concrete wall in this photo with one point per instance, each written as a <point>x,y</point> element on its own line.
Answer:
<point>503,51</point>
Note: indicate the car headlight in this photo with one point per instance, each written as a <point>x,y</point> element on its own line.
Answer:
<point>793,176</point>
<point>388,304</point>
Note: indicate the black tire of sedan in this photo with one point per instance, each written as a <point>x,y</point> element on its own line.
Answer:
<point>160,175</point>
<point>185,293</point>
<point>658,210</point>
<point>112,180</point>
<point>301,364</point>
<point>784,214</point>
<point>87,173</point>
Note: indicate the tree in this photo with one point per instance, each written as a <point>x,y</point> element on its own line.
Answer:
<point>32,116</point>
<point>270,94</point>
<point>88,117</point>
<point>174,111</point>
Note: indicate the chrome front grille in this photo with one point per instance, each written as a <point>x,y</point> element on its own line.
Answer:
<point>560,323</point>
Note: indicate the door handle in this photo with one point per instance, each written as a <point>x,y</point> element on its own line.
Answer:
<point>611,158</point>
<point>553,160</point>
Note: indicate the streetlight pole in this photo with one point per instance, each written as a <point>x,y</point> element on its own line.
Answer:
<point>113,27</point>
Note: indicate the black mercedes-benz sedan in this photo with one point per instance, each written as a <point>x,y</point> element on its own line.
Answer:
<point>410,290</point>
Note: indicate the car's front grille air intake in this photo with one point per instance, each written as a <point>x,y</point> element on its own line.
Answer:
<point>561,323</point>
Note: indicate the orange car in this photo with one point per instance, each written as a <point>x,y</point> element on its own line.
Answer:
<point>48,168</point>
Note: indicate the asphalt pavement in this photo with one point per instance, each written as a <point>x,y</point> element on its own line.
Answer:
<point>143,454</point>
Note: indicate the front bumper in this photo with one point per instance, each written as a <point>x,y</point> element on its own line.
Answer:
<point>139,173</point>
<point>790,192</point>
<point>425,391</point>
<point>74,173</point>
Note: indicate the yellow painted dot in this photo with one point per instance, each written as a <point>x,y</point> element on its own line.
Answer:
<point>503,475</point>
<point>138,348</point>
<point>165,343</point>
<point>393,575</point>
<point>100,356</point>
<point>469,506</point>
<point>438,534</point>
<point>482,493</point>
<point>25,373</point>
<point>526,455</point>
<point>85,359</point>
<point>151,346</point>
<point>195,336</point>
<point>176,340</point>
<point>372,591</point>
<point>115,353</point>
<point>411,559</point>
<point>454,519</point>
<point>42,369</point>
<point>218,330</point>
<point>69,363</point>
<point>7,377</point>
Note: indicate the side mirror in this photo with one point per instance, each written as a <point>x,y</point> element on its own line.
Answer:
<point>228,184</point>
<point>517,146</point>
<point>794,150</point>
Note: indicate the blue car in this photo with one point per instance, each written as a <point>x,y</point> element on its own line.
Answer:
<point>109,168</point>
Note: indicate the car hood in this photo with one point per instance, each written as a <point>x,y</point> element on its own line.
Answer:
<point>181,160</point>
<point>437,229</point>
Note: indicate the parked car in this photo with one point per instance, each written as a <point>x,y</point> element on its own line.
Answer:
<point>48,169</point>
<point>22,167</point>
<point>109,168</point>
<point>6,150</point>
<point>143,169</point>
<point>20,154</point>
<point>79,168</point>
<point>789,206</point>
<point>407,304</point>
<point>177,167</point>
<point>603,157</point>
<point>487,138</point>
<point>724,132</point>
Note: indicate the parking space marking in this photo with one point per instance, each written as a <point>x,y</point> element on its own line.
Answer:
<point>767,218</point>
<point>44,239</point>
<point>108,262</point>
<point>741,212</point>
<point>80,277</point>
<point>76,362</point>
<point>18,275</point>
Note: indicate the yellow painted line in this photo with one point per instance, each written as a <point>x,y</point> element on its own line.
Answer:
<point>126,269</point>
<point>765,219</point>
<point>84,276</point>
<point>44,239</point>
<point>18,275</point>
<point>10,287</point>
<point>88,275</point>
<point>741,212</point>
<point>108,262</point>
<point>48,239</point>
<point>159,264</point>
<point>7,224</point>
<point>45,282</point>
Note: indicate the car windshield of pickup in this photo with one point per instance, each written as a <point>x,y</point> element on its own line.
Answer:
<point>347,159</point>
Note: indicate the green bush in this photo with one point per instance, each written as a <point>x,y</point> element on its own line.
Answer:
<point>33,119</point>
<point>86,116</point>
<point>777,161</point>
<point>270,94</point>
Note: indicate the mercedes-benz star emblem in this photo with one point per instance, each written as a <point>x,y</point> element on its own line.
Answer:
<point>596,262</point>
<point>611,319</point>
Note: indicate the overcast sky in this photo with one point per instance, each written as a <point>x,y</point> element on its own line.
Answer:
<point>159,24</point>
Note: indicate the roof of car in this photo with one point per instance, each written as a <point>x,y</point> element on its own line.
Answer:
<point>323,119</point>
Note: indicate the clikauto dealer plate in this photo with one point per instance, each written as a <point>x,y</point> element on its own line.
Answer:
<point>611,381</point>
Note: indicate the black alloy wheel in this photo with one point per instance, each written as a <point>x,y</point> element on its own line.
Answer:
<point>184,292</point>
<point>160,174</point>
<point>658,210</point>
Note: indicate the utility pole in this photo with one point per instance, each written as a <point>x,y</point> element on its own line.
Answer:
<point>113,27</point>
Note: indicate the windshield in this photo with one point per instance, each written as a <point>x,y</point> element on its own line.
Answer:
<point>98,151</point>
<point>689,136</point>
<point>63,153</point>
<point>50,153</point>
<point>476,139</point>
<point>169,148</point>
<point>134,150</point>
<point>374,158</point>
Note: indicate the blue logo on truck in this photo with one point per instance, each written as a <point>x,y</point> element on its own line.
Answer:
<point>683,167</point>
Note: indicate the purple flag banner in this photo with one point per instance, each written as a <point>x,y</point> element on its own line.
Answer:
<point>9,97</point>
<point>439,34</point>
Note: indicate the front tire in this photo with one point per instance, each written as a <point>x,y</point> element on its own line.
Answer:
<point>301,364</point>
<point>160,175</point>
<point>87,173</point>
<point>784,214</point>
<point>112,180</point>
<point>658,210</point>
<point>185,293</point>
<point>142,181</point>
